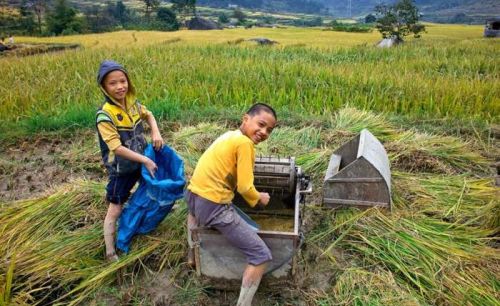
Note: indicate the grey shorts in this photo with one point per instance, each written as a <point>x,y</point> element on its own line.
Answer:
<point>228,222</point>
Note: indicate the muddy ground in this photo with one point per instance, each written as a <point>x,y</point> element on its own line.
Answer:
<point>35,166</point>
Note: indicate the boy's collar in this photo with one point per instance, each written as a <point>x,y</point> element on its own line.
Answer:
<point>239,131</point>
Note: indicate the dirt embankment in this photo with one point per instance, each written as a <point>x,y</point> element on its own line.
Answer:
<point>33,49</point>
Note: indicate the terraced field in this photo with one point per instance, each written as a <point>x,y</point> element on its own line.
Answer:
<point>433,102</point>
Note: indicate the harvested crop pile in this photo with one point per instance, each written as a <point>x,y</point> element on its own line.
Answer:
<point>438,245</point>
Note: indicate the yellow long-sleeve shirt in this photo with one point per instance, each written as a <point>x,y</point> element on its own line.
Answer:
<point>227,165</point>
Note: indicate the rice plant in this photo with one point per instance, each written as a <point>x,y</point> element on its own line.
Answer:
<point>352,120</point>
<point>288,141</point>
<point>435,153</point>
<point>435,245</point>
<point>55,244</point>
<point>180,80</point>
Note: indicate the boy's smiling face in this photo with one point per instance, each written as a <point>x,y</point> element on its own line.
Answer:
<point>116,85</point>
<point>258,127</point>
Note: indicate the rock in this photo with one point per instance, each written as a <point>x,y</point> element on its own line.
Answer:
<point>389,42</point>
<point>263,41</point>
<point>198,23</point>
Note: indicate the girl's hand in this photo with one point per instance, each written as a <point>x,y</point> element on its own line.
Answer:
<point>157,140</point>
<point>151,166</point>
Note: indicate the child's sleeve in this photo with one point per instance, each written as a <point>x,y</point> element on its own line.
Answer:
<point>245,163</point>
<point>109,134</point>
<point>144,112</point>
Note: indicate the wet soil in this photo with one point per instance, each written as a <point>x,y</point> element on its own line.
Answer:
<point>34,166</point>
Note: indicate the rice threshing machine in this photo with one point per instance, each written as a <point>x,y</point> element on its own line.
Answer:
<point>279,224</point>
<point>358,175</point>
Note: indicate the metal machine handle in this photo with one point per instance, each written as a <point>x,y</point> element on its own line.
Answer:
<point>308,190</point>
<point>305,181</point>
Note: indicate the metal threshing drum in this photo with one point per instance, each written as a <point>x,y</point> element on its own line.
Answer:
<point>275,175</point>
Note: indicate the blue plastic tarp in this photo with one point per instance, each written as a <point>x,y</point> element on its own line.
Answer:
<point>154,198</point>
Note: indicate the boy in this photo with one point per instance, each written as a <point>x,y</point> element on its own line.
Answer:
<point>122,142</point>
<point>227,165</point>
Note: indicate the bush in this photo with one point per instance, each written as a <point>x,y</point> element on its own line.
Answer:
<point>316,22</point>
<point>268,19</point>
<point>461,18</point>
<point>345,27</point>
<point>240,15</point>
<point>69,32</point>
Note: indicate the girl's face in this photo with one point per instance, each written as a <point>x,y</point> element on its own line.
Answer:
<point>116,85</point>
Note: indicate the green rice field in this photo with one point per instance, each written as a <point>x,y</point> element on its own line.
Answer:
<point>310,71</point>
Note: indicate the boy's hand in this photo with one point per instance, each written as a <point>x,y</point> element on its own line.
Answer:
<point>151,166</point>
<point>264,198</point>
<point>157,140</point>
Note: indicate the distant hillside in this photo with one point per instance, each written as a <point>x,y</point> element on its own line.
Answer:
<point>460,11</point>
<point>299,6</point>
<point>471,11</point>
<point>433,10</point>
<point>296,6</point>
<point>444,11</point>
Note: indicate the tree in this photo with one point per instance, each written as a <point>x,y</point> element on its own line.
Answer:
<point>92,18</point>
<point>167,19</point>
<point>63,19</point>
<point>184,6</point>
<point>39,7</point>
<point>223,18</point>
<point>121,13</point>
<point>27,15</point>
<point>370,18</point>
<point>150,5</point>
<point>399,20</point>
<point>10,19</point>
<point>99,19</point>
<point>238,14</point>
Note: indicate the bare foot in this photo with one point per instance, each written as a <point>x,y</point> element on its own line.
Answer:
<point>112,257</point>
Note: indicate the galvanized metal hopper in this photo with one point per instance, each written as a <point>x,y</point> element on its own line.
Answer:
<point>279,223</point>
<point>358,174</point>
